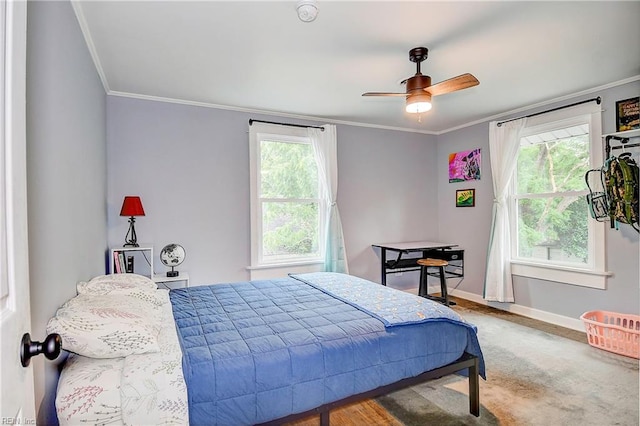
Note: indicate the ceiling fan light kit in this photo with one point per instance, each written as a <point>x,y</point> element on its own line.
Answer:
<point>419,103</point>
<point>419,89</point>
<point>307,10</point>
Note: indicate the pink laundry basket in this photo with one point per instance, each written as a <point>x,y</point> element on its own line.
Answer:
<point>613,332</point>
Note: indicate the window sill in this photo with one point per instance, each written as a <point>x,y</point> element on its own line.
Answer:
<point>285,264</point>
<point>268,271</point>
<point>561,274</point>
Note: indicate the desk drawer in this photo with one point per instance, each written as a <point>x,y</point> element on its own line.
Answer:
<point>447,255</point>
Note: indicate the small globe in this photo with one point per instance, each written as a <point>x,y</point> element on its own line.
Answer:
<point>172,255</point>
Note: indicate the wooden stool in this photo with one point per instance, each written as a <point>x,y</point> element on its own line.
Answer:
<point>422,291</point>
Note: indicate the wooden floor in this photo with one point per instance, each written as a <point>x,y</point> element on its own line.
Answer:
<point>367,412</point>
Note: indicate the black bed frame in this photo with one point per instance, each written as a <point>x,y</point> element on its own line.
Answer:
<point>466,361</point>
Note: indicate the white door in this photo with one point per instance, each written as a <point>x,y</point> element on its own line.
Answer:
<point>17,397</point>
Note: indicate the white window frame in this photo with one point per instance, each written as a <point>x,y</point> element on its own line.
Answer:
<point>259,267</point>
<point>594,274</point>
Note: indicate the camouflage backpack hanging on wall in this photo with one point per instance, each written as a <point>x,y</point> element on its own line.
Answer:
<point>621,181</point>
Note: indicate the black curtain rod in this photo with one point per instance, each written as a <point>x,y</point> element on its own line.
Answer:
<point>251,121</point>
<point>597,100</point>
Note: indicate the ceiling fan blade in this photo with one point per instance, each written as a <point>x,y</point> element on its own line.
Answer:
<point>460,82</point>
<point>383,94</point>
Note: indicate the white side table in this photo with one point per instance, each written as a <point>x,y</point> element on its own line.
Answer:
<point>143,256</point>
<point>164,281</point>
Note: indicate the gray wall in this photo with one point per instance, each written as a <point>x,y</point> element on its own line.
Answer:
<point>66,173</point>
<point>387,193</point>
<point>470,227</point>
<point>190,165</point>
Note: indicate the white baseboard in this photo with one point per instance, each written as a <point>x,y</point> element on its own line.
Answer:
<point>561,320</point>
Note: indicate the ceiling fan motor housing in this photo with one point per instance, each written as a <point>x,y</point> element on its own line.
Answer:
<point>417,83</point>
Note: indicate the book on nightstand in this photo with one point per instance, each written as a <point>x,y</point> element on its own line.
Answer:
<point>116,263</point>
<point>123,266</point>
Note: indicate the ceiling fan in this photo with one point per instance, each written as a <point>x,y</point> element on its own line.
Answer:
<point>419,88</point>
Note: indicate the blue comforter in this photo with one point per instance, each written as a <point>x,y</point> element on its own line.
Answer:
<point>260,350</point>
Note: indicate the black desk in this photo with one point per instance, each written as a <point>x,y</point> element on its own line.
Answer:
<point>426,248</point>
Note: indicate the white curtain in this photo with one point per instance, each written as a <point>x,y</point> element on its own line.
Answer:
<point>325,147</point>
<point>504,143</point>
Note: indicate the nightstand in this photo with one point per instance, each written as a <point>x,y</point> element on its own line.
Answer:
<point>164,281</point>
<point>141,258</point>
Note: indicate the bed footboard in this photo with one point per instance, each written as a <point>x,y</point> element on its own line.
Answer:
<point>465,362</point>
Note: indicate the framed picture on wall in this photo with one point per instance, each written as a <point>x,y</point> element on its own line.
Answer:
<point>465,198</point>
<point>627,115</point>
<point>464,165</point>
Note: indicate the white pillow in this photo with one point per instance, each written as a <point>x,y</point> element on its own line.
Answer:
<point>117,283</point>
<point>107,326</point>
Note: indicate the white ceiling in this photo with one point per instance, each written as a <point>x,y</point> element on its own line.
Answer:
<point>258,56</point>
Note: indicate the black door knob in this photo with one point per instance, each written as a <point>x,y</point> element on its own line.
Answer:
<point>50,348</point>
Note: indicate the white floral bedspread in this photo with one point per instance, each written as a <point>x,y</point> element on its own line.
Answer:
<point>141,389</point>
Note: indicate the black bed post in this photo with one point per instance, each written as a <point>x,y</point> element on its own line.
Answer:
<point>324,418</point>
<point>474,388</point>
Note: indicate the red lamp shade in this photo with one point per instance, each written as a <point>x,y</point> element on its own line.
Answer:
<point>132,206</point>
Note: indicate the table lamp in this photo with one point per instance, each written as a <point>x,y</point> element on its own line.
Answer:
<point>131,206</point>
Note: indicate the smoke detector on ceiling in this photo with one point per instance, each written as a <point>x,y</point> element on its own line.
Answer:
<point>307,10</point>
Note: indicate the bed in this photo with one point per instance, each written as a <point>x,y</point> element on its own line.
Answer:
<point>254,352</point>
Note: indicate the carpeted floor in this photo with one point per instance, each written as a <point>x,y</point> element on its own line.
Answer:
<point>537,374</point>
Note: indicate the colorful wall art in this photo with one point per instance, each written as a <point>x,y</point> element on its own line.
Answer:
<point>464,165</point>
<point>465,198</point>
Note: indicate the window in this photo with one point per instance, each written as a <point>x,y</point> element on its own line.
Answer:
<point>554,237</point>
<point>286,198</point>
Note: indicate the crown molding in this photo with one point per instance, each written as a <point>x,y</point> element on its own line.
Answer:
<point>542,104</point>
<point>84,28</point>
<point>499,116</point>
<point>373,126</point>
<point>262,112</point>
